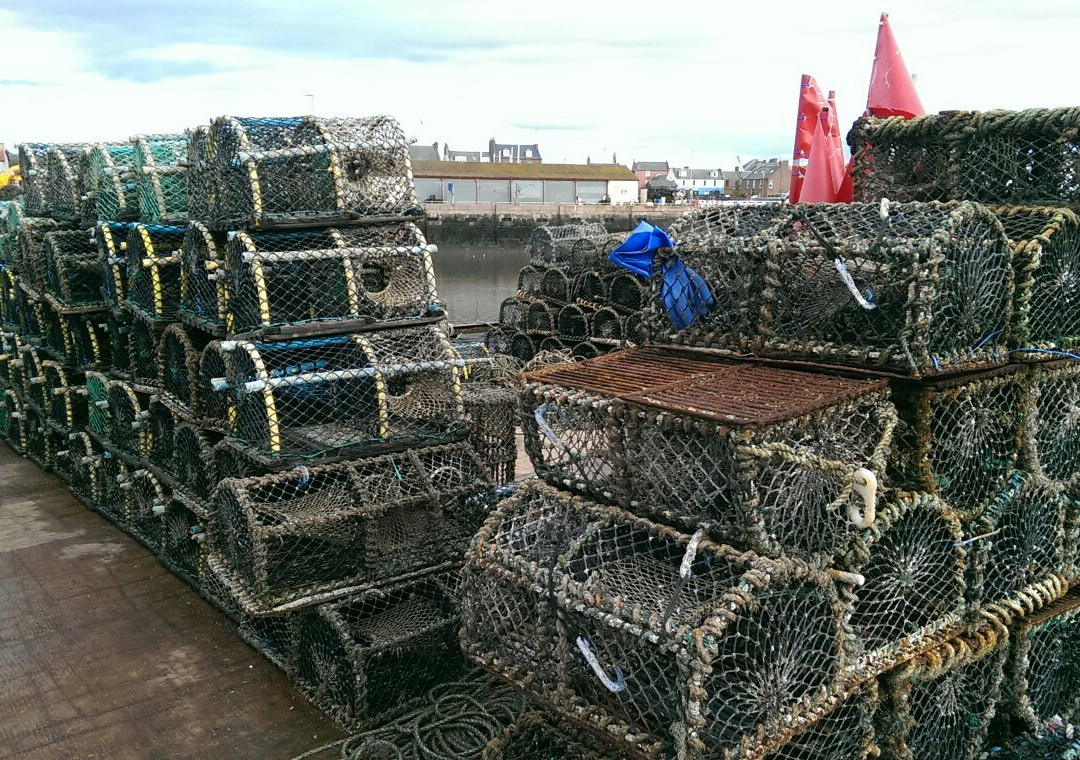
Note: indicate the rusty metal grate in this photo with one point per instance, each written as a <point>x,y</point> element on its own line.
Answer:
<point>723,390</point>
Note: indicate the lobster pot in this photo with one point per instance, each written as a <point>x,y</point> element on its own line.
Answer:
<point>940,704</point>
<point>615,621</point>
<point>1018,546</point>
<point>9,298</point>
<point>183,541</point>
<point>1008,157</point>
<point>142,349</point>
<point>153,271</point>
<point>12,420</point>
<point>178,352</point>
<point>30,259</point>
<point>553,245</point>
<point>201,181</point>
<point>540,735</point>
<point>27,373</point>
<point>371,273</point>
<point>65,392</point>
<point>523,346</point>
<point>512,313</point>
<point>146,504</point>
<point>111,241</point>
<point>491,414</point>
<point>628,292</point>
<point>31,315</point>
<point>572,322</point>
<point>308,168</point>
<point>97,403</point>
<point>959,438</point>
<point>323,395</point>
<point>110,182</point>
<point>92,344</point>
<point>606,325</point>
<point>9,352</point>
<point>64,187</point>
<point>555,286</point>
<point>1052,426</point>
<point>591,288</point>
<point>1045,666</point>
<point>529,278</point>
<point>497,340</point>
<point>72,270</point>
<point>203,287</point>
<point>129,417</point>
<point>686,440</point>
<point>39,440</point>
<point>111,486</point>
<point>194,461</point>
<point>368,655</point>
<point>77,463</point>
<point>231,463</point>
<point>160,180</point>
<point>1047,246</point>
<point>925,289</point>
<point>114,327</point>
<point>540,318</point>
<point>591,253</point>
<point>33,169</point>
<point>913,560</point>
<point>845,731</point>
<point>162,430</point>
<point>56,333</point>
<point>633,329</point>
<point>290,537</point>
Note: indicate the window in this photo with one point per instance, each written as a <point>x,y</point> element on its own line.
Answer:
<point>648,174</point>
<point>460,158</point>
<point>770,184</point>
<point>528,153</point>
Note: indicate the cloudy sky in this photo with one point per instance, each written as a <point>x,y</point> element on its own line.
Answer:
<point>690,81</point>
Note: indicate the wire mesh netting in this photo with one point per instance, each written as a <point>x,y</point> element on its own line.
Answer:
<point>33,169</point>
<point>143,338</point>
<point>960,438</point>
<point>72,270</point>
<point>194,462</point>
<point>913,562</point>
<point>1047,245</point>
<point>308,531</point>
<point>310,397</point>
<point>364,657</point>
<point>97,403</point>
<point>64,191</point>
<point>153,270</point>
<point>1018,545</point>
<point>940,704</point>
<point>773,460</point>
<point>110,182</point>
<point>1044,667</point>
<point>162,430</point>
<point>111,241</point>
<point>263,170</point>
<point>1052,425</point>
<point>160,179</point>
<point>554,245</point>
<point>111,484</point>
<point>178,352</point>
<point>1008,157</point>
<point>371,273</point>
<point>917,288</point>
<point>491,414</point>
<point>147,498</point>
<point>663,641</point>
<point>129,417</point>
<point>183,541</point>
<point>846,732</point>
<point>203,283</point>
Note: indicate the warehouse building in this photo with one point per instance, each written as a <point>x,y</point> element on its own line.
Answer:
<point>474,182</point>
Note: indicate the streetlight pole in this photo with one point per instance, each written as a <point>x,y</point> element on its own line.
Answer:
<point>312,98</point>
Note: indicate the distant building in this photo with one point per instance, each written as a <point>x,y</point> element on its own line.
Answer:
<point>424,152</point>
<point>647,170</point>
<point>462,155</point>
<point>508,153</point>
<point>759,177</point>
<point>508,182</point>
<point>698,181</point>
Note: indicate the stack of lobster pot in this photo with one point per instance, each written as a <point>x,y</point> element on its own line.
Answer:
<point>323,442</point>
<point>821,491</point>
<point>570,297</point>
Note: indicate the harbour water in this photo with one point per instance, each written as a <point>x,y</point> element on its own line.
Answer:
<point>474,278</point>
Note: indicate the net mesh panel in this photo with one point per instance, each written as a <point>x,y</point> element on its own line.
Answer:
<point>491,414</point>
<point>196,467</point>
<point>306,531</point>
<point>692,444</point>
<point>606,325</point>
<point>1026,158</point>
<point>112,482</point>
<point>143,339</point>
<point>182,541</point>
<point>551,576</point>
<point>115,329</point>
<point>31,314</point>
<point>962,437</point>
<point>554,245</point>
<point>129,418</point>
<point>539,318</point>
<point>111,182</point>
<point>33,168</point>
<point>230,463</point>
<point>554,286</point>
<point>111,241</point>
<point>717,244</point>
<point>914,562</point>
<point>162,430</point>
<point>1047,308</point>
<point>30,263</point>
<point>13,421</point>
<point>591,288</point>
<point>25,371</point>
<point>160,179</point>
<point>1056,742</point>
<point>97,398</point>
<point>38,441</point>
<point>572,322</point>
<point>72,269</point>
<point>1052,432</point>
<point>204,294</point>
<point>63,186</point>
<point>178,352</point>
<point>202,184</point>
<point>153,271</point>
<point>540,735</point>
<point>309,397</point>
<point>1018,541</point>
<point>91,342</point>
<point>363,658</point>
<point>65,394</point>
<point>844,733</point>
<point>1045,666</point>
<point>146,503</point>
<point>56,334</point>
<point>78,465</point>
<point>378,272</point>
<point>940,705</point>
<point>274,169</point>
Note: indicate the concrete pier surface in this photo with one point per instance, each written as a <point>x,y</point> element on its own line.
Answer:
<point>104,654</point>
